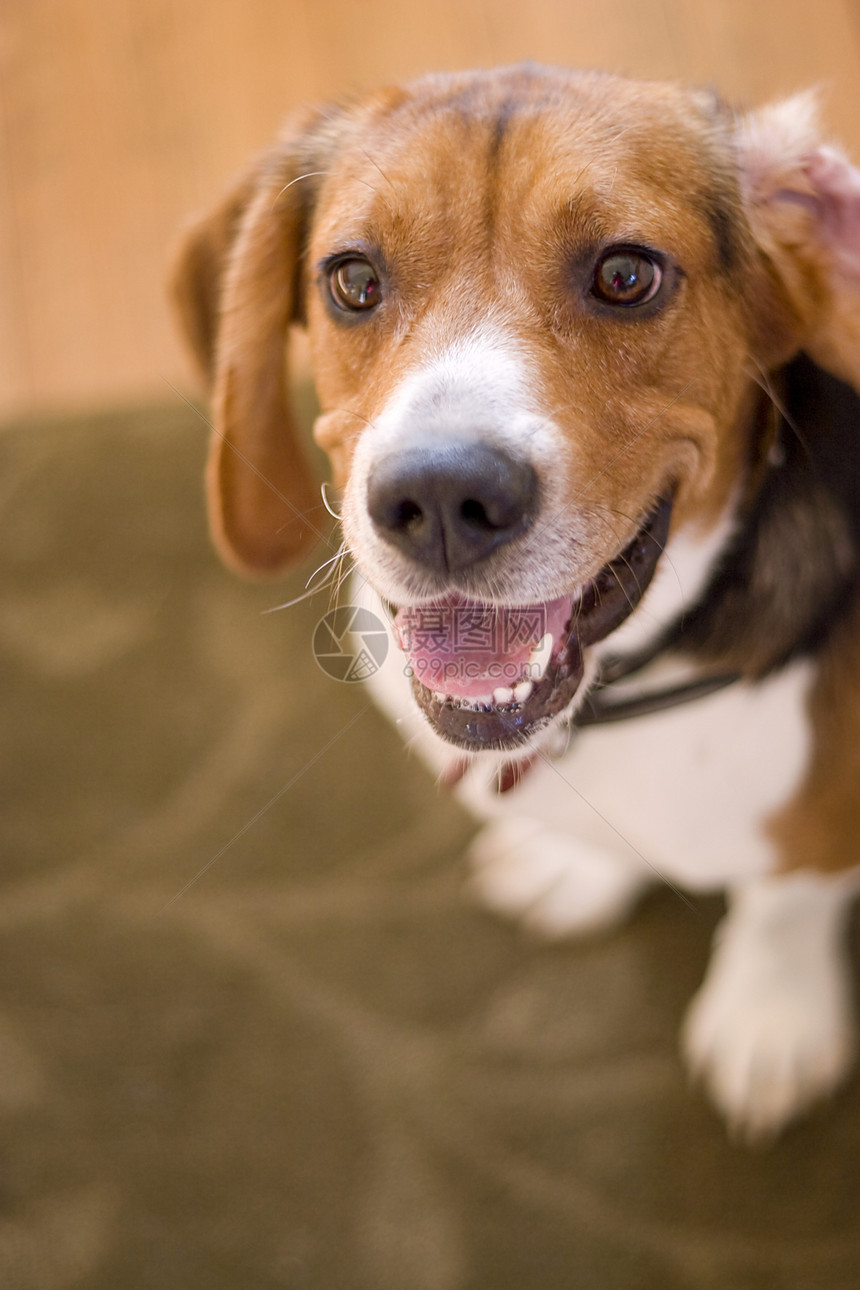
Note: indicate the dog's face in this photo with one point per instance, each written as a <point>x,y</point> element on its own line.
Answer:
<point>539,304</point>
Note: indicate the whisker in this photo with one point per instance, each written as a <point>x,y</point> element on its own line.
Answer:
<point>336,585</point>
<point>337,556</point>
<point>344,572</point>
<point>376,166</point>
<point>311,174</point>
<point>324,492</point>
<point>289,604</point>
<point>663,549</point>
<point>309,591</point>
<point>632,604</point>
<point>350,412</point>
<point>763,381</point>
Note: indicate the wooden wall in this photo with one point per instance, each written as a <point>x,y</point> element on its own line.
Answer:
<point>119,116</point>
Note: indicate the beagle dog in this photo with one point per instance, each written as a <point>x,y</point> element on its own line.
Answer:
<point>588,354</point>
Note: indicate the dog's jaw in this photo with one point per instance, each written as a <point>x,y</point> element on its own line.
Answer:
<point>538,650</point>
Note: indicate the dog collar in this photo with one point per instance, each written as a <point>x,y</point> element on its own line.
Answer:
<point>600,708</point>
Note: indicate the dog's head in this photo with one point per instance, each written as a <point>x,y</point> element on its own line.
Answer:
<point>540,305</point>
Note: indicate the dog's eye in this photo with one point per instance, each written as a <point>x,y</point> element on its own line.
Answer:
<point>626,277</point>
<point>354,284</point>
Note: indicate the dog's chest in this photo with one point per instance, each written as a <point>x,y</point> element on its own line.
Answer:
<point>688,791</point>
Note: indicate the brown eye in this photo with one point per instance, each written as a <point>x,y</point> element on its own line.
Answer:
<point>354,284</point>
<point>626,277</point>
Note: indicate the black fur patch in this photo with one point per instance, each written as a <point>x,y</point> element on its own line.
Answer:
<point>794,566</point>
<point>722,220</point>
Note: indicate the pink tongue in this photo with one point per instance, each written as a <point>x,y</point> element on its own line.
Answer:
<point>467,650</point>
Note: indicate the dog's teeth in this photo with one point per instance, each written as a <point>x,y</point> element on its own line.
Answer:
<point>539,657</point>
<point>523,690</point>
<point>503,695</point>
<point>437,694</point>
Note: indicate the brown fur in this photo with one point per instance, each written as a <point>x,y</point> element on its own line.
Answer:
<point>820,827</point>
<point>484,195</point>
<point>514,229</point>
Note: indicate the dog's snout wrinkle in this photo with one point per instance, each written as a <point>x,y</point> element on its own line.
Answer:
<point>447,506</point>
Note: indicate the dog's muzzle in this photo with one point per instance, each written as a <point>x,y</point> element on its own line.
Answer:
<point>488,676</point>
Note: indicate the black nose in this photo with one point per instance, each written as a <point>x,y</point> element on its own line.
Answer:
<point>449,505</point>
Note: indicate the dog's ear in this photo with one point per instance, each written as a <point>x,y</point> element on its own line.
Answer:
<point>197,273</point>
<point>236,284</point>
<point>803,203</point>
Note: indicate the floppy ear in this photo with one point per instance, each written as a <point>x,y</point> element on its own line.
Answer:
<point>197,273</point>
<point>803,203</point>
<point>235,285</point>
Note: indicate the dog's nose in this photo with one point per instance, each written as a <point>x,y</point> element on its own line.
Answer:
<point>449,505</point>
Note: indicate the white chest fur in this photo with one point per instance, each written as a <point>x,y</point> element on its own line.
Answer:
<point>685,793</point>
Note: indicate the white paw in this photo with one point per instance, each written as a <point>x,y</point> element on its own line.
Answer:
<point>767,1041</point>
<point>557,886</point>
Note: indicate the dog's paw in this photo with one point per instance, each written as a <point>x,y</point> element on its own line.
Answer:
<point>768,1038</point>
<point>556,885</point>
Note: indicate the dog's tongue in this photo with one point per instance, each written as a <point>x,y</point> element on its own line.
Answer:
<point>466,650</point>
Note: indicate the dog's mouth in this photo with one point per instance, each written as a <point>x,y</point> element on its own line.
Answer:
<point>491,677</point>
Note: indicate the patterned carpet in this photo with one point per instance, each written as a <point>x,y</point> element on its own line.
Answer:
<point>252,1032</point>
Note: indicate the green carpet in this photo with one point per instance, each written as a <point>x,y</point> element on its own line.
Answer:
<point>252,1032</point>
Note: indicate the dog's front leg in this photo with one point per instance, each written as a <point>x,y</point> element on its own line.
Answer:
<point>770,1030</point>
<point>558,885</point>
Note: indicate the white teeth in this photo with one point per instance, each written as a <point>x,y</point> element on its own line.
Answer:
<point>503,695</point>
<point>539,657</point>
<point>523,690</point>
<point>437,694</point>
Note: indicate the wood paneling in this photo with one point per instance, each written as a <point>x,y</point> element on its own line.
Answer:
<point>117,117</point>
